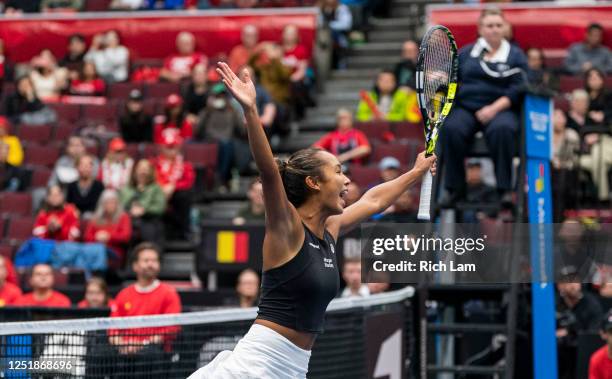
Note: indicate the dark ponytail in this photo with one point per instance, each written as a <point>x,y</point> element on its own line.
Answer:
<point>293,172</point>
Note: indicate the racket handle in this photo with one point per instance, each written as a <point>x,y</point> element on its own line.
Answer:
<point>425,202</point>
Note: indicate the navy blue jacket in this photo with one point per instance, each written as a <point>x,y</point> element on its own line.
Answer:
<point>477,89</point>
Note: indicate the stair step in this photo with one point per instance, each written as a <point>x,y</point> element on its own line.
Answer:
<point>353,73</point>
<point>396,23</point>
<point>320,123</point>
<point>451,328</point>
<point>379,62</point>
<point>377,48</point>
<point>389,35</point>
<point>467,369</point>
<point>301,141</point>
<point>340,97</point>
<point>329,110</point>
<point>349,85</point>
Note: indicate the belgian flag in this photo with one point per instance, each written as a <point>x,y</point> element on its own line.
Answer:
<point>232,247</point>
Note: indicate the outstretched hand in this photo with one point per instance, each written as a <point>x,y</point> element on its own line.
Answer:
<point>242,90</point>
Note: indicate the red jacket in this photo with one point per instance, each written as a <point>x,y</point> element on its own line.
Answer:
<point>178,172</point>
<point>9,294</point>
<point>337,142</point>
<point>186,129</point>
<point>183,64</point>
<point>68,219</point>
<point>56,299</point>
<point>600,365</point>
<point>120,233</point>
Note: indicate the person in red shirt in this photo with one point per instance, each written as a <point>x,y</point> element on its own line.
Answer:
<point>348,144</point>
<point>57,220</point>
<point>148,296</point>
<point>176,178</point>
<point>96,295</point>
<point>600,365</point>
<point>178,66</point>
<point>111,226</point>
<point>9,292</point>
<point>240,54</point>
<point>173,119</point>
<point>88,83</point>
<point>295,57</point>
<point>43,294</point>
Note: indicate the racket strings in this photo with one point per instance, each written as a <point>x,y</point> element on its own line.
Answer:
<point>437,71</point>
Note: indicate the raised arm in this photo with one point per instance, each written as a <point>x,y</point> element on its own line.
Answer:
<point>280,214</point>
<point>380,197</point>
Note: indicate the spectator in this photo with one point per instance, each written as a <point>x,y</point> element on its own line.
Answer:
<point>351,273</point>
<point>176,178</point>
<point>220,122</point>
<point>48,79</point>
<point>247,288</point>
<point>111,59</point>
<point>600,99</point>
<point>348,144</point>
<point>25,106</point>
<point>265,106</point>
<point>240,54</point>
<point>74,58</point>
<point>179,66</point>
<point>402,211</point>
<point>378,283</point>
<point>96,295</point>
<point>87,83</point>
<point>174,118</point>
<point>11,177</point>
<point>6,66</point>
<point>116,167</point>
<point>57,220</point>
<point>590,53</point>
<point>295,57</point>
<point>9,292</point>
<point>110,225</point>
<point>145,202</point>
<point>598,162</point>
<point>148,296</point>
<point>86,190</point>
<point>566,145</point>
<point>478,192</point>
<point>127,5</point>
<point>196,93</point>
<point>387,101</point>
<point>338,18</point>
<point>166,4</point>
<point>352,195</point>
<point>578,311</point>
<point>255,210</point>
<point>272,74</point>
<point>389,168</point>
<point>43,294</point>
<point>537,73</point>
<point>65,170</point>
<point>136,125</point>
<point>15,151</point>
<point>578,114</point>
<point>484,102</point>
<point>600,364</point>
<point>13,7</point>
<point>574,253</point>
<point>405,70</point>
<point>61,5</point>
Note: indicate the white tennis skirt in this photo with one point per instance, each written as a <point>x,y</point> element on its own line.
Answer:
<point>261,354</point>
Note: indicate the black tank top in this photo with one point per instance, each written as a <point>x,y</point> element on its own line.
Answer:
<point>297,293</point>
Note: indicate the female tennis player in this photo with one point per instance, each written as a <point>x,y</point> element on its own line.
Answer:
<point>304,201</point>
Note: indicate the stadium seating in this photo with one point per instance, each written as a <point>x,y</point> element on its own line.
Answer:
<point>161,90</point>
<point>201,154</point>
<point>40,176</point>
<point>41,155</point>
<point>374,129</point>
<point>6,250</point>
<point>122,90</point>
<point>67,112</point>
<point>19,229</point>
<point>402,152</point>
<point>63,130</point>
<point>16,203</point>
<point>364,176</point>
<point>35,133</point>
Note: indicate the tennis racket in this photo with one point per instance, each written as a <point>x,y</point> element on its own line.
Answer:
<point>436,82</point>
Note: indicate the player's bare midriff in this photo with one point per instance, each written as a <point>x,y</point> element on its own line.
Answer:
<point>302,340</point>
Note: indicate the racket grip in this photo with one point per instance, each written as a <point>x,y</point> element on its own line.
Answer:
<point>425,202</point>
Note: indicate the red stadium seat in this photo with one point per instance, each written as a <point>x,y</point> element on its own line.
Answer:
<point>364,176</point>
<point>20,228</point>
<point>67,112</point>
<point>64,130</point>
<point>96,5</point>
<point>6,251</point>
<point>401,152</point>
<point>374,129</point>
<point>3,224</point>
<point>152,106</point>
<point>408,131</point>
<point>41,155</point>
<point>106,113</point>
<point>570,83</point>
<point>122,90</point>
<point>133,150</point>
<point>40,176</point>
<point>35,133</point>
<point>201,154</point>
<point>147,62</point>
<point>562,102</point>
<point>161,90</point>
<point>16,203</point>
<point>148,150</point>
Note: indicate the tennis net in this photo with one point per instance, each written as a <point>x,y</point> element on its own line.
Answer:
<point>176,345</point>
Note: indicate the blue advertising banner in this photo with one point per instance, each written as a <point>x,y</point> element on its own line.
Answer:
<point>538,127</point>
<point>538,144</point>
